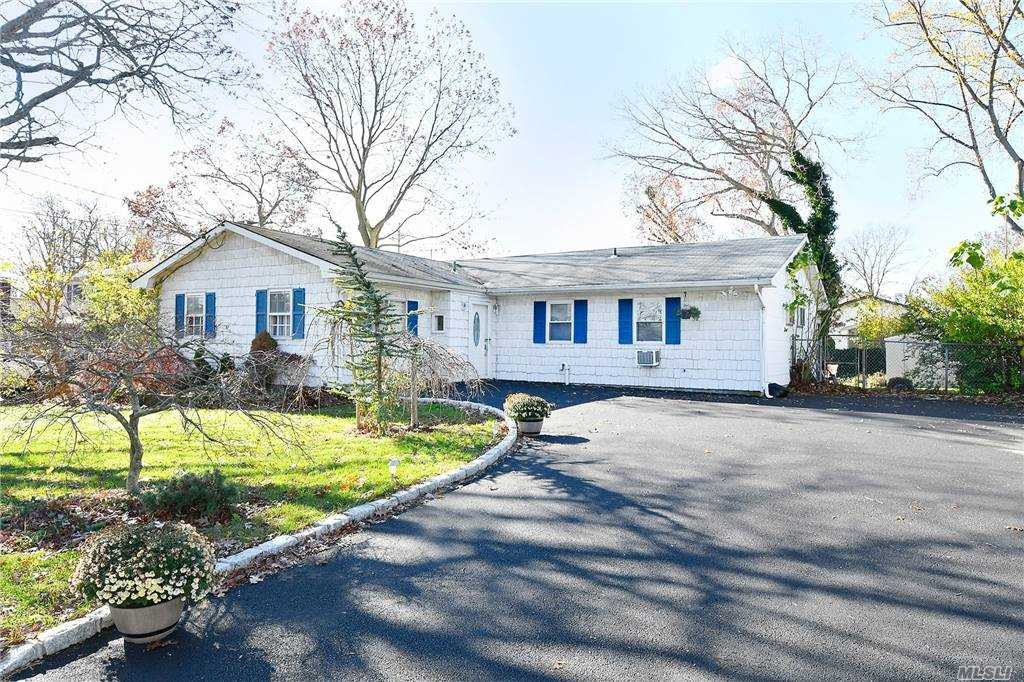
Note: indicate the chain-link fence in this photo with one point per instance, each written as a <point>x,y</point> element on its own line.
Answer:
<point>907,363</point>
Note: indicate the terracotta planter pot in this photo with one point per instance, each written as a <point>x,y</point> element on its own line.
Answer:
<point>147,623</point>
<point>530,428</point>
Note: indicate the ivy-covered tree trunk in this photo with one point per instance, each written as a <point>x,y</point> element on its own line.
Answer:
<point>820,228</point>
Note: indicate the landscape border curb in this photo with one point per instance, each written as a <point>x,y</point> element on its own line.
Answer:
<point>76,631</point>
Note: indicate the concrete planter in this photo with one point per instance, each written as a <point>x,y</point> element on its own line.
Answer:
<point>530,428</point>
<point>147,623</point>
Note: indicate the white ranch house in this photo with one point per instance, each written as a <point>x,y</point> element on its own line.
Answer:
<point>577,317</point>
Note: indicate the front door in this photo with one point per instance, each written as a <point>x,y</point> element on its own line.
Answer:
<point>478,339</point>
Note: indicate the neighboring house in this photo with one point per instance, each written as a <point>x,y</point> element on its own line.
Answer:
<point>579,317</point>
<point>845,326</point>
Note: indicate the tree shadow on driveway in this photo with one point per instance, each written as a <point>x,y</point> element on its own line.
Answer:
<point>641,539</point>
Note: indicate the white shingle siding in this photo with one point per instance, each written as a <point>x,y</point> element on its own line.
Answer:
<point>723,350</point>
<point>235,269</point>
<point>720,351</point>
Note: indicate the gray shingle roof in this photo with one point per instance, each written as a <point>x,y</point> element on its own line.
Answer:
<point>723,261</point>
<point>381,263</point>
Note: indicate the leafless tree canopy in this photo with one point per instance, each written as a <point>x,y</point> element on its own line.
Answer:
<point>661,214</point>
<point>384,110</point>
<point>63,237</point>
<point>226,175</point>
<point>958,67</point>
<point>57,245</point>
<point>872,255</point>
<point>59,57</point>
<point>722,138</point>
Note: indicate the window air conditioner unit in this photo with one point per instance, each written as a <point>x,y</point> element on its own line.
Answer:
<point>648,358</point>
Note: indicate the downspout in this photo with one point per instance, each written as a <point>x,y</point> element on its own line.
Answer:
<point>764,353</point>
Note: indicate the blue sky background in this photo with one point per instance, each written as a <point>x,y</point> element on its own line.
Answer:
<point>565,67</point>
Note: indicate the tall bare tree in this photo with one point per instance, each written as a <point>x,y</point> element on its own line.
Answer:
<point>57,245</point>
<point>60,57</point>
<point>959,69</point>
<point>228,174</point>
<point>872,255</point>
<point>384,110</point>
<point>725,136</point>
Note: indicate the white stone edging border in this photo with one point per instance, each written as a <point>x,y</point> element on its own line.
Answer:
<point>76,631</point>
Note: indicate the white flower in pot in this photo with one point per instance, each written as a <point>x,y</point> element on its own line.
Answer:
<point>529,412</point>
<point>145,573</point>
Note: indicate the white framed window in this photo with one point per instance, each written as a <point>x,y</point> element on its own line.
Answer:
<point>797,317</point>
<point>279,313</point>
<point>650,320</point>
<point>439,323</point>
<point>195,314</point>
<point>560,321</point>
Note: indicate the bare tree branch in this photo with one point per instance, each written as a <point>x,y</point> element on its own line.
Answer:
<point>719,143</point>
<point>59,56</point>
<point>383,111</point>
<point>958,68</point>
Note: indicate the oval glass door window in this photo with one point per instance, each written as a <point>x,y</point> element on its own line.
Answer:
<point>476,329</point>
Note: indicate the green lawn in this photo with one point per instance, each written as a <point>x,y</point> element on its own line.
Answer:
<point>323,467</point>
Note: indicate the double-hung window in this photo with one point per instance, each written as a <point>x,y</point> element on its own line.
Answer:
<point>195,314</point>
<point>650,319</point>
<point>797,317</point>
<point>560,321</point>
<point>279,315</point>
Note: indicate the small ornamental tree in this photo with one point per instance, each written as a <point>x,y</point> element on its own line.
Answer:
<point>383,358</point>
<point>372,329</point>
<point>125,371</point>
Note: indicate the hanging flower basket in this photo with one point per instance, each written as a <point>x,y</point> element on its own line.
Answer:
<point>689,313</point>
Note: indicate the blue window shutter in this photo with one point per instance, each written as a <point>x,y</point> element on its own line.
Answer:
<point>210,323</point>
<point>579,321</point>
<point>261,310</point>
<point>673,331</point>
<point>299,313</point>
<point>412,321</point>
<point>625,321</point>
<point>540,320</point>
<point>179,315</point>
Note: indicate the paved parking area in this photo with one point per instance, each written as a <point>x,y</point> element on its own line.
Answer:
<point>658,536</point>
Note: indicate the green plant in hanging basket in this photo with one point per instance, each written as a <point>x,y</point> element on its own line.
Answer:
<point>691,312</point>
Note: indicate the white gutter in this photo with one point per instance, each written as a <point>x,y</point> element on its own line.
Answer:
<point>764,351</point>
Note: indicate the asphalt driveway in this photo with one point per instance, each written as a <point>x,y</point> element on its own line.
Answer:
<point>652,536</point>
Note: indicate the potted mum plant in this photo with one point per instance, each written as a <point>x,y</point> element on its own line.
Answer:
<point>145,573</point>
<point>529,412</point>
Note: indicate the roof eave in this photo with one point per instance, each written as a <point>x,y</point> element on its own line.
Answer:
<point>651,286</point>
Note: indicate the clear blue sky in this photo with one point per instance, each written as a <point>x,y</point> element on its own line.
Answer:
<point>565,67</point>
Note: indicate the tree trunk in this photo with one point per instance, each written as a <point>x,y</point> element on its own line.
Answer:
<point>414,393</point>
<point>134,455</point>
